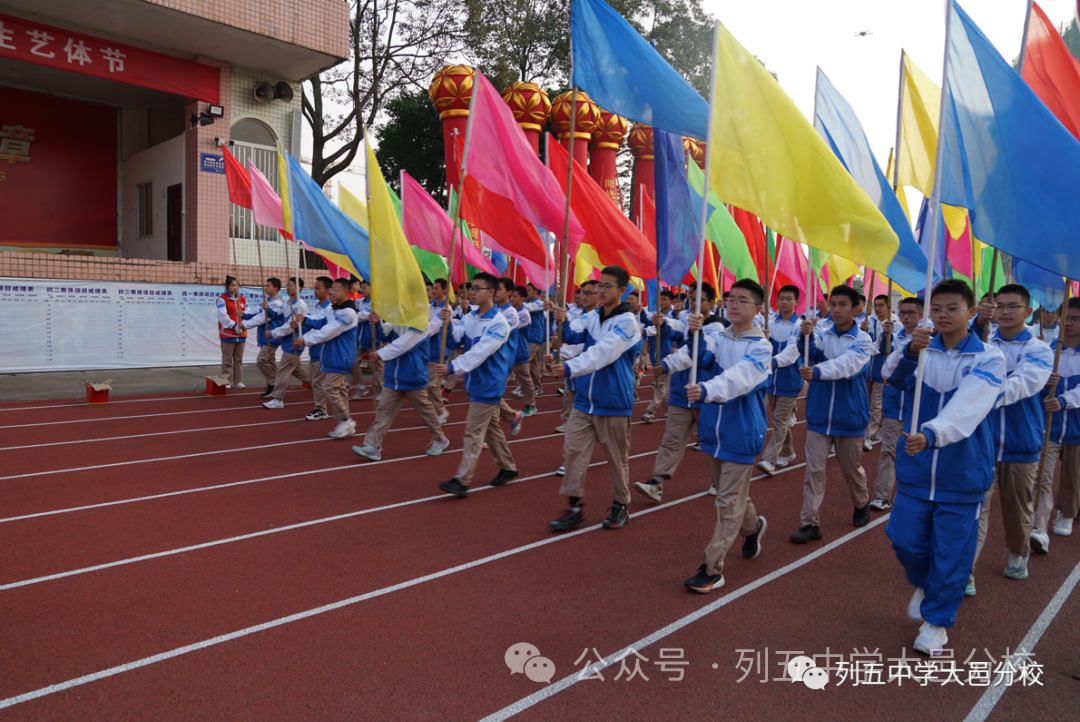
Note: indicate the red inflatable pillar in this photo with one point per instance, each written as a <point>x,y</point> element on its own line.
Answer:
<point>451,91</point>
<point>588,115</point>
<point>530,105</point>
<point>603,150</point>
<point>641,145</point>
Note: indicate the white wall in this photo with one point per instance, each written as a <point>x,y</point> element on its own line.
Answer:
<point>163,166</point>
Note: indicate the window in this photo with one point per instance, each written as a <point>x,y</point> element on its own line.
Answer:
<point>144,209</point>
<point>265,159</point>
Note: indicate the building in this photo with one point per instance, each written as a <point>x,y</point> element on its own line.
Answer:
<point>112,118</point>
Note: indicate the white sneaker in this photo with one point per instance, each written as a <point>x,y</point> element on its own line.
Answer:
<point>344,430</point>
<point>792,421</point>
<point>561,471</point>
<point>360,392</point>
<point>228,386</point>
<point>273,404</point>
<point>785,460</point>
<point>767,467</point>
<point>913,607</point>
<point>239,386</point>
<point>1040,541</point>
<point>1062,526</point>
<point>562,430</point>
<point>1017,567</point>
<point>712,491</point>
<point>931,639</point>
<point>444,417</point>
<point>438,447</point>
<point>517,392</point>
<point>867,443</point>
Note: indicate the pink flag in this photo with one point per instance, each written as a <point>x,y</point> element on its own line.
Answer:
<point>428,227</point>
<point>502,160</point>
<point>533,270</point>
<point>958,250</point>
<point>791,270</point>
<point>265,202</point>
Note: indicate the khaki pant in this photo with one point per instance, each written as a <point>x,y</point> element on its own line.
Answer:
<point>1016,484</point>
<point>289,365</point>
<point>318,385</point>
<point>482,424</point>
<point>523,376</point>
<point>661,389</point>
<point>266,362</point>
<point>876,388</point>
<point>1067,500</point>
<point>434,390</point>
<point>568,396</point>
<point>781,437</point>
<point>232,361</point>
<point>536,367</point>
<point>357,372</point>
<point>735,513</point>
<point>336,388</point>
<point>680,428</point>
<point>390,404</point>
<point>886,468</point>
<point>849,454</point>
<point>582,432</point>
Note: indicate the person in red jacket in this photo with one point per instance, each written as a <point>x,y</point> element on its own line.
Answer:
<point>230,310</point>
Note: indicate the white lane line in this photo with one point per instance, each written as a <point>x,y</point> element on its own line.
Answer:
<point>82,402</point>
<point>993,693</point>
<point>146,661</point>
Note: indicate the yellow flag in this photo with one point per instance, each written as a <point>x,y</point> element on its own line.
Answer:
<point>283,181</point>
<point>765,157</point>
<point>397,286</point>
<point>353,207</point>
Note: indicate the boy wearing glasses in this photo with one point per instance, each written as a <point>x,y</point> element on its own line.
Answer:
<point>485,365</point>
<point>943,460</point>
<point>879,326</point>
<point>1064,436</point>
<point>837,408</point>
<point>785,384</point>
<point>604,372</point>
<point>589,298</point>
<point>1018,423</point>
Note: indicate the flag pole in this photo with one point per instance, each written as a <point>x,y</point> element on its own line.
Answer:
<point>899,124</point>
<point>296,268</point>
<point>564,255</point>
<point>1023,40</point>
<point>371,266</point>
<point>704,205</point>
<point>768,289</point>
<point>811,299</point>
<point>935,201</point>
<point>990,291</point>
<point>776,268</point>
<point>1052,393</point>
<point>548,235</point>
<point>888,338</point>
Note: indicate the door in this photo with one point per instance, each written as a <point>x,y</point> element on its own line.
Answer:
<point>174,202</point>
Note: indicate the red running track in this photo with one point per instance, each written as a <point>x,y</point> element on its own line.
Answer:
<point>185,558</point>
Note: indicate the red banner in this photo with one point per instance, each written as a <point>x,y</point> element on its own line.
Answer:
<point>40,44</point>
<point>57,173</point>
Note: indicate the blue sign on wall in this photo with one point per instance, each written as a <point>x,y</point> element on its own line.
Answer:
<point>211,163</point>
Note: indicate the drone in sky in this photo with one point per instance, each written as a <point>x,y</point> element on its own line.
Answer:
<point>863,34</point>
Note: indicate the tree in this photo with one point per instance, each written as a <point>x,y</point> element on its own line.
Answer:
<point>394,46</point>
<point>411,140</point>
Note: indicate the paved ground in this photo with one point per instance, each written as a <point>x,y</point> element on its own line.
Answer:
<point>71,384</point>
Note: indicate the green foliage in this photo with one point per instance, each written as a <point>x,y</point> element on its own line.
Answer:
<point>411,140</point>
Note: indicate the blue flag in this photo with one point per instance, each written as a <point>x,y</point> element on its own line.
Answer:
<point>626,76</point>
<point>678,210</point>
<point>1045,287</point>
<point>1005,157</point>
<point>837,123</point>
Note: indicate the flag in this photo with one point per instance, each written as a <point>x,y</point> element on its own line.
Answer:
<point>678,210</point>
<point>837,123</point>
<point>753,239</point>
<point>615,239</point>
<point>722,230</point>
<point>1051,70</point>
<point>1045,287</point>
<point>1006,158</point>
<point>958,250</point>
<point>626,76</point>
<point>920,106</point>
<point>791,271</point>
<point>265,202</point>
<point>397,288</point>
<point>766,158</point>
<point>238,180</point>
<point>427,226</point>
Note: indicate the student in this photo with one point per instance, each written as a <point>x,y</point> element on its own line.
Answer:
<point>879,326</point>
<point>405,376</point>
<point>354,290</point>
<point>231,331</point>
<point>732,426</point>
<point>662,384</point>
<point>434,386</point>
<point>604,373</point>
<point>860,311</point>
<point>943,465</point>
<point>1045,327</point>
<point>521,350</point>
<point>895,405</point>
<point>290,364</point>
<point>538,334</point>
<point>785,384</point>
<point>461,309</point>
<point>485,335</point>
<point>504,289</point>
<point>266,319</point>
<point>1064,437</point>
<point>315,320</point>
<point>682,415</point>
<point>837,409</point>
<point>370,338</point>
<point>1018,423</point>
<point>338,339</point>
<point>590,302</point>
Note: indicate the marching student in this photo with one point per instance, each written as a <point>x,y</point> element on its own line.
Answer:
<point>460,311</point>
<point>660,320</point>
<point>1018,423</point>
<point>1064,437</point>
<point>590,302</point>
<point>266,319</point>
<point>434,385</point>
<point>1046,326</point>
<point>538,334</point>
<point>315,320</point>
<point>879,326</point>
<point>370,338</point>
<point>485,365</point>
<point>785,384</point>
<point>231,331</point>
<point>837,408</point>
<point>521,350</point>
<point>682,415</point>
<point>942,465</point>
<point>604,373</point>
<point>290,364</point>
<point>504,289</point>
<point>736,363</point>
<point>405,376</point>
<point>895,405</point>
<point>337,336</point>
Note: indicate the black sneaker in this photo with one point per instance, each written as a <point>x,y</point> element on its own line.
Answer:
<point>503,476</point>
<point>572,518</point>
<point>618,517</point>
<point>696,446</point>
<point>703,583</point>
<point>808,533</point>
<point>268,393</point>
<point>653,488</point>
<point>861,517</point>
<point>454,487</point>
<point>752,546</point>
<point>317,415</point>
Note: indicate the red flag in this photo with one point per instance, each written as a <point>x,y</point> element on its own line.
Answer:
<point>617,241</point>
<point>754,233</point>
<point>1051,70</point>
<point>238,179</point>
